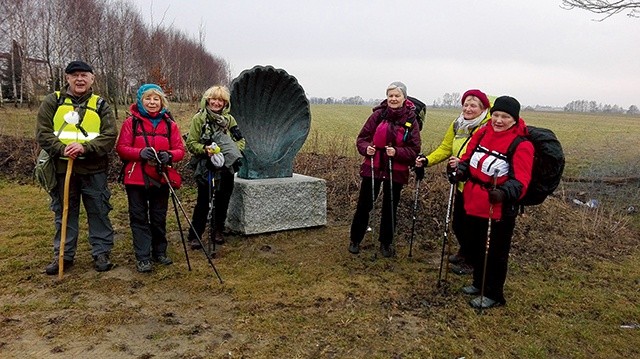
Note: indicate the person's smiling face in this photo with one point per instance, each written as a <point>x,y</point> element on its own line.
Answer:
<point>471,108</point>
<point>501,121</point>
<point>216,104</point>
<point>395,98</point>
<point>152,103</point>
<point>80,82</point>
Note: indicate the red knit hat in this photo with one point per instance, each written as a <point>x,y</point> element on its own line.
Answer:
<point>479,94</point>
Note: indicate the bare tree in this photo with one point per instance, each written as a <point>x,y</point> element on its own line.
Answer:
<point>605,7</point>
<point>38,38</point>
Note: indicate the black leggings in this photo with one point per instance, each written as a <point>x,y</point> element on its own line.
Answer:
<point>223,190</point>
<point>497,261</point>
<point>365,204</point>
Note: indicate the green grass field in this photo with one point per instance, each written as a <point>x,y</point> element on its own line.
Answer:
<point>572,288</point>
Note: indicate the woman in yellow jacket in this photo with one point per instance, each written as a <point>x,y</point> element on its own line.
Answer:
<point>475,114</point>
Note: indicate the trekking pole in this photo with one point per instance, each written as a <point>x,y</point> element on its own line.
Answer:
<point>184,243</point>
<point>393,225</point>
<point>486,248</point>
<point>413,217</point>
<point>373,202</point>
<point>445,237</point>
<point>211,244</point>
<point>65,217</point>
<point>186,216</point>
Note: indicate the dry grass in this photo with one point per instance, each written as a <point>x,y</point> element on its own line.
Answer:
<point>573,281</point>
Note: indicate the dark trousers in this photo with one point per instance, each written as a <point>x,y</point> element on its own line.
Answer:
<point>223,189</point>
<point>459,225</point>
<point>497,261</point>
<point>148,220</point>
<point>365,204</point>
<point>94,192</point>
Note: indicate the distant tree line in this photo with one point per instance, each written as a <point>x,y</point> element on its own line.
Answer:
<point>452,100</point>
<point>355,100</point>
<point>594,107</point>
<point>38,38</point>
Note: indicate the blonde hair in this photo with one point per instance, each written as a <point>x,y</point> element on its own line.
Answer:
<point>163,97</point>
<point>476,99</point>
<point>219,92</point>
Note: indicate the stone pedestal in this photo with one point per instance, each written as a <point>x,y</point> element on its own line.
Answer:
<point>277,204</point>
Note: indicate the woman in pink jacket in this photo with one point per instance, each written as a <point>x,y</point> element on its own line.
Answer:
<point>149,143</point>
<point>496,177</point>
<point>390,135</point>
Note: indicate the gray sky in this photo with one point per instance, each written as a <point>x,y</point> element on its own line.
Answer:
<point>534,51</point>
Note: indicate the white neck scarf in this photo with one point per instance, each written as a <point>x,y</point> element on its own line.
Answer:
<point>462,126</point>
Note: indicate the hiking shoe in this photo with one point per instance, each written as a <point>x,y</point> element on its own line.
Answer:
<point>219,238</point>
<point>163,260</point>
<point>386,250</point>
<point>354,248</point>
<point>143,266</point>
<point>194,244</point>
<point>470,290</point>
<point>102,263</point>
<point>462,269</point>
<point>52,268</point>
<point>456,258</point>
<point>483,302</point>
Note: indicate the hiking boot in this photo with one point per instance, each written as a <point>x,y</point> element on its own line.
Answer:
<point>143,266</point>
<point>470,290</point>
<point>102,263</point>
<point>462,269</point>
<point>52,268</point>
<point>354,248</point>
<point>456,258</point>
<point>219,238</point>
<point>163,260</point>
<point>194,244</point>
<point>483,302</point>
<point>386,250</point>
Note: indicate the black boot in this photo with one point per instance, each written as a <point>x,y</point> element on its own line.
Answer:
<point>354,247</point>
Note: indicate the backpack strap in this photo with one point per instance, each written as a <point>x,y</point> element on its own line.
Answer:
<point>510,151</point>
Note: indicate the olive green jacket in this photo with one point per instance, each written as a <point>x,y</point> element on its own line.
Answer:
<point>96,151</point>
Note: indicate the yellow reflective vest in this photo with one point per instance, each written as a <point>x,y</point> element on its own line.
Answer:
<point>88,127</point>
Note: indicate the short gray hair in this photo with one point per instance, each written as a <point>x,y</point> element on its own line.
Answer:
<point>398,85</point>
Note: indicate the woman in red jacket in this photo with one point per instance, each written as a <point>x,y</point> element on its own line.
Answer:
<point>390,134</point>
<point>496,179</point>
<point>149,144</point>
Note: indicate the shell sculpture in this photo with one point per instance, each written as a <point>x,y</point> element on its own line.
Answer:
<point>272,111</point>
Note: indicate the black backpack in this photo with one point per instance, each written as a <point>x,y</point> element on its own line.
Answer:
<point>420,111</point>
<point>548,164</point>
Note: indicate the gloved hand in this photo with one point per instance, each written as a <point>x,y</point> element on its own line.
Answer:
<point>452,175</point>
<point>496,196</point>
<point>164,157</point>
<point>217,160</point>
<point>212,149</point>
<point>148,154</point>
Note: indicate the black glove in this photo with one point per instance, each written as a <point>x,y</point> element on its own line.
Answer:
<point>496,196</point>
<point>148,154</point>
<point>164,157</point>
<point>452,174</point>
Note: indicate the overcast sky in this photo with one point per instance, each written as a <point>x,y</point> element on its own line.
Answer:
<point>534,51</point>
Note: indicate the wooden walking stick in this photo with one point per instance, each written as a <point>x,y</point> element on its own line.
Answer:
<point>65,217</point>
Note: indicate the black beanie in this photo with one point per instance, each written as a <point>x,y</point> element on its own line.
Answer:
<point>507,104</point>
